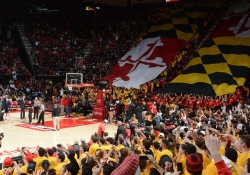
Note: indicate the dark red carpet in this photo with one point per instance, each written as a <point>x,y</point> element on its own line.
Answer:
<point>66,122</point>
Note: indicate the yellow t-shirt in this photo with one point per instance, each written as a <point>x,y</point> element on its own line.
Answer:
<point>82,156</point>
<point>139,148</point>
<point>157,138</point>
<point>104,147</point>
<point>206,160</point>
<point>164,152</point>
<point>182,160</point>
<point>93,148</point>
<point>242,159</point>
<point>52,162</point>
<point>147,168</point>
<point>212,169</point>
<point>66,161</point>
<point>118,147</point>
<point>146,89</point>
<point>165,73</point>
<point>38,161</point>
<point>222,151</point>
<point>14,173</point>
<point>24,168</point>
<point>152,85</point>
<point>156,152</point>
<point>58,168</point>
<point>236,137</point>
<point>238,169</point>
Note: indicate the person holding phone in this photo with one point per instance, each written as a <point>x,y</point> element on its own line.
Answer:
<point>181,159</point>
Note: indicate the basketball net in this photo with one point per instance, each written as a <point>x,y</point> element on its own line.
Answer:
<point>70,88</point>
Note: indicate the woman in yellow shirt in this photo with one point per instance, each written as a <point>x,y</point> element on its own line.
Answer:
<point>181,157</point>
<point>119,146</point>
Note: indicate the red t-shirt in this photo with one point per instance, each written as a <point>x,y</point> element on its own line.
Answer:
<point>235,98</point>
<point>155,98</point>
<point>238,94</point>
<point>149,104</point>
<point>163,102</point>
<point>73,100</point>
<point>180,102</point>
<point>204,104</point>
<point>185,104</point>
<point>62,101</point>
<point>217,102</point>
<point>191,103</point>
<point>153,109</point>
<point>67,102</point>
<point>171,99</point>
<point>226,102</point>
<point>198,103</point>
<point>231,100</point>
<point>211,103</point>
<point>128,133</point>
<point>101,129</point>
<point>55,92</point>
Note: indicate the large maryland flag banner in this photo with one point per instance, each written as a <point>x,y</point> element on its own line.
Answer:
<point>159,47</point>
<point>223,61</point>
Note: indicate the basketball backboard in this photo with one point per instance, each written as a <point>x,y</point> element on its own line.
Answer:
<point>74,79</point>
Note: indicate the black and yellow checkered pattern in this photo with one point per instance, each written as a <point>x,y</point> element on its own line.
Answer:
<point>221,65</point>
<point>182,22</point>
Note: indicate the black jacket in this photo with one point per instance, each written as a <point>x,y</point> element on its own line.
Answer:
<point>138,111</point>
<point>144,107</point>
<point>22,104</point>
<point>3,105</point>
<point>120,130</point>
<point>56,112</point>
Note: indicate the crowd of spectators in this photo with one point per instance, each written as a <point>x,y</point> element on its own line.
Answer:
<point>116,30</point>
<point>55,45</point>
<point>29,86</point>
<point>157,134</point>
<point>10,63</point>
<point>161,135</point>
<point>59,39</point>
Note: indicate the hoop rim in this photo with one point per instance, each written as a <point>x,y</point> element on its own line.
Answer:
<point>73,85</point>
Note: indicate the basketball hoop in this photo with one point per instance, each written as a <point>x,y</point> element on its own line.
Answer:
<point>73,80</point>
<point>70,88</point>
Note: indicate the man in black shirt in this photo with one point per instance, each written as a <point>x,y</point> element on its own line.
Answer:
<point>56,117</point>
<point>120,130</point>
